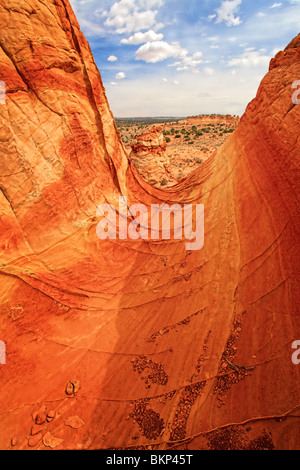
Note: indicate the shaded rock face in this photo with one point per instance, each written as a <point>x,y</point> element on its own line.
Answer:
<point>167,345</point>
<point>149,157</point>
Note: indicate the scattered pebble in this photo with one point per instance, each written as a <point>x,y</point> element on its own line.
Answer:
<point>51,415</point>
<point>72,387</point>
<point>51,441</point>
<point>41,418</point>
<point>14,441</point>
<point>74,422</point>
<point>36,428</point>
<point>34,440</point>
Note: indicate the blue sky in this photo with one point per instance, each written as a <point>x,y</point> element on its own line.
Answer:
<point>188,57</point>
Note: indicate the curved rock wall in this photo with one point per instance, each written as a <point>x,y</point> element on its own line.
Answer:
<point>140,343</point>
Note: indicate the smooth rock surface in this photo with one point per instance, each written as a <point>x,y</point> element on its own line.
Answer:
<point>192,321</point>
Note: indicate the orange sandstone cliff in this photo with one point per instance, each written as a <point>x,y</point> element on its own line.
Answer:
<point>140,344</point>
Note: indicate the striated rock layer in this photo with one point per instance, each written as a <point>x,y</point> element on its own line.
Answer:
<point>122,343</point>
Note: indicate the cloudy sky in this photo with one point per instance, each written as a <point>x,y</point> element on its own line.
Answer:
<point>184,57</point>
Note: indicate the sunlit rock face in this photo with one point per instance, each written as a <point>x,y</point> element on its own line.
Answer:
<point>207,119</point>
<point>148,154</point>
<point>123,343</point>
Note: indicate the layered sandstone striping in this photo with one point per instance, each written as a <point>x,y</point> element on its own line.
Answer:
<point>170,347</point>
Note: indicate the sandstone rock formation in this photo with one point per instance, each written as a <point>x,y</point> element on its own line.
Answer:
<point>205,119</point>
<point>149,157</point>
<point>172,348</point>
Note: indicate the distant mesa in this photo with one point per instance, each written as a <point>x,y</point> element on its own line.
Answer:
<point>208,118</point>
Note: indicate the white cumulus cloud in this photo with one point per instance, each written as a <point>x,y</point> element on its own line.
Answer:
<point>189,62</point>
<point>120,75</point>
<point>140,38</point>
<point>112,58</point>
<point>276,5</point>
<point>128,16</point>
<point>227,12</point>
<point>250,58</point>
<point>157,51</point>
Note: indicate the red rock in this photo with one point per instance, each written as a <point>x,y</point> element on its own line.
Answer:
<point>51,441</point>
<point>89,306</point>
<point>51,415</point>
<point>207,119</point>
<point>74,422</point>
<point>149,157</point>
<point>34,440</point>
<point>40,418</point>
<point>14,441</point>
<point>36,428</point>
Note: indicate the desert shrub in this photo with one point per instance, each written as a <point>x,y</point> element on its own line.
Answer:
<point>167,139</point>
<point>177,136</point>
<point>164,182</point>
